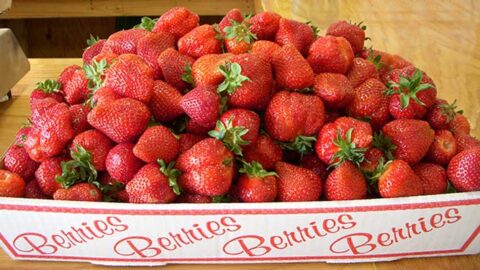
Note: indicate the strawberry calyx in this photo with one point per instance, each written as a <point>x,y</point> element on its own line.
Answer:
<point>347,150</point>
<point>301,144</point>
<point>187,76</point>
<point>376,60</point>
<point>110,191</point>
<point>384,143</point>
<point>233,78</point>
<point>94,73</point>
<point>146,23</point>
<point>221,199</point>
<point>255,169</point>
<point>314,28</point>
<point>92,40</point>
<point>171,173</point>
<point>449,110</point>
<point>79,169</point>
<point>49,86</point>
<point>373,177</point>
<point>230,136</point>
<point>408,88</point>
<point>240,32</point>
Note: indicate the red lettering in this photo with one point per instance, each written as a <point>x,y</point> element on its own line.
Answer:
<point>384,239</point>
<point>277,241</point>
<point>230,223</point>
<point>60,241</point>
<point>116,223</point>
<point>250,245</point>
<point>347,221</point>
<point>215,228</point>
<point>29,242</point>
<point>356,243</point>
<point>437,221</point>
<point>332,228</point>
<point>103,228</point>
<point>452,217</point>
<point>166,243</point>
<point>136,245</point>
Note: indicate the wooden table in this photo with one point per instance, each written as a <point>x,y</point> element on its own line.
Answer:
<point>442,38</point>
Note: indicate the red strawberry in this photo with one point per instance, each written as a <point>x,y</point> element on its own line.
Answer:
<point>241,118</point>
<point>130,77</point>
<point>21,135</point>
<point>370,103</point>
<point>256,184</point>
<point>346,182</point>
<point>16,160</point>
<point>265,151</point>
<point>334,89</point>
<point>441,114</point>
<point>39,106</point>
<point>177,21</point>
<point>97,144</point>
<point>201,41</point>
<point>122,120</point>
<point>373,156</point>
<point>312,162</point>
<point>121,163</point>
<point>154,183</point>
<point>291,69</point>
<point>360,71</point>
<point>112,189</point>
<point>11,184</point>
<point>353,33</point>
<point>193,127</point>
<point>433,177</point>
<point>33,191</point>
<point>124,41</point>
<point>397,179</point>
<point>193,198</point>
<point>76,88</point>
<point>188,140</point>
<point>344,139</point>
<point>202,105</point>
<point>165,102</point>
<point>248,82</point>
<point>67,74</point>
<point>84,192</point>
<point>173,65</point>
<point>207,168</point>
<point>109,57</point>
<point>47,88</point>
<point>265,48</point>
<point>465,141</point>
<point>95,46</point>
<point>297,184</point>
<point>50,134</point>
<point>105,95</point>
<point>233,15</point>
<point>464,170</point>
<point>443,147</point>
<point>265,25</point>
<point>151,46</point>
<point>330,54</point>
<point>238,37</point>
<point>296,33</point>
<point>385,62</point>
<point>459,125</point>
<point>292,114</point>
<point>157,142</point>
<point>79,114</point>
<point>412,139</point>
<point>206,69</point>
<point>47,173</point>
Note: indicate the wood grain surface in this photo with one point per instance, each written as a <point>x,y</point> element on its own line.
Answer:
<point>441,37</point>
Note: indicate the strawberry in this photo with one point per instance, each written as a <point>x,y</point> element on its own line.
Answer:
<point>464,170</point>
<point>413,92</point>
<point>265,48</point>
<point>256,184</point>
<point>121,163</point>
<point>109,57</point>
<point>265,25</point>
<point>21,135</point>
<point>433,177</point>
<point>459,125</point>
<point>411,137</point>
<point>39,106</point>
<point>33,191</point>
<point>265,151</point>
<point>232,16</point>
<point>154,183</point>
<point>330,54</point>
<point>296,33</point>
<point>238,37</point>
<point>112,189</point>
<point>202,105</point>
<point>370,103</point>
<point>385,62</point>
<point>122,120</point>
<point>47,88</point>
<point>346,182</point>
<point>79,114</point>
<point>177,21</point>
<point>312,162</point>
<point>16,160</point>
<point>151,46</point>
<point>373,156</point>
<point>95,46</point>
<point>130,77</point>
<point>11,184</point>
<point>124,41</point>
<point>193,198</point>
<point>50,134</point>
<point>193,127</point>
<point>207,168</point>
<point>157,142</point>
<point>465,141</point>
<point>397,179</point>
<point>67,74</point>
<point>97,144</point>
<point>105,95</point>
<point>201,41</point>
<point>47,173</point>
<point>443,147</point>
<point>296,184</point>
<point>360,71</point>
<point>173,65</point>
<point>353,33</point>
<point>344,139</point>
<point>188,140</point>
<point>334,89</point>
<point>76,88</point>
<point>165,102</point>
<point>291,69</point>
<point>206,69</point>
<point>441,114</point>
<point>84,192</point>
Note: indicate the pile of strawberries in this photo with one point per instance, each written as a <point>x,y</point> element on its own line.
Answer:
<point>253,109</point>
